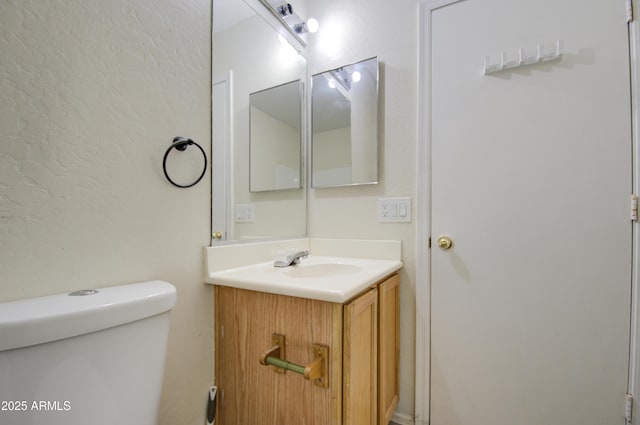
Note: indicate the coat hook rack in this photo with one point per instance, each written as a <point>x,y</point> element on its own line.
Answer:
<point>523,59</point>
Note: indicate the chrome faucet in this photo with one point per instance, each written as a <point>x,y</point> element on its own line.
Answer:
<point>291,259</point>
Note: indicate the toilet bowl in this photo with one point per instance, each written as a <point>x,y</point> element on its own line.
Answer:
<point>92,357</point>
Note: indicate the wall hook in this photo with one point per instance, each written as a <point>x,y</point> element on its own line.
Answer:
<point>523,59</point>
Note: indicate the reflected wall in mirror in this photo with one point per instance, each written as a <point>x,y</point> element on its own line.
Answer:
<point>275,138</point>
<point>344,141</point>
<point>247,58</point>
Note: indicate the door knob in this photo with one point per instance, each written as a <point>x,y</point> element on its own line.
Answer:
<point>216,235</point>
<point>445,242</point>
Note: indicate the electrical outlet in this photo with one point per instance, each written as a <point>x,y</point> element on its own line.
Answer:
<point>394,210</point>
<point>245,213</point>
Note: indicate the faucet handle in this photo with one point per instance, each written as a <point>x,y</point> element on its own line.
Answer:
<point>291,259</point>
<point>298,255</point>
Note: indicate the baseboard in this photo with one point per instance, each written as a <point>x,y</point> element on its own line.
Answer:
<point>401,419</point>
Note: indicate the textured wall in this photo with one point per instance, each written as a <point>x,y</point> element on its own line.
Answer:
<point>91,94</point>
<point>349,32</point>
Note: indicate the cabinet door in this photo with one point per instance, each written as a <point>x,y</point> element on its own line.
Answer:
<point>360,363</point>
<point>389,347</point>
<point>252,394</point>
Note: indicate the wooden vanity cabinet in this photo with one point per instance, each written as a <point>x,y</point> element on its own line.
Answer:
<point>360,368</point>
<point>362,336</point>
<point>388,348</point>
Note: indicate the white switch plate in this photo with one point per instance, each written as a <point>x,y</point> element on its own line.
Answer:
<point>245,213</point>
<point>394,210</point>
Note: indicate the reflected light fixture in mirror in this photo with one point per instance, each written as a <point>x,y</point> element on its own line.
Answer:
<point>344,121</point>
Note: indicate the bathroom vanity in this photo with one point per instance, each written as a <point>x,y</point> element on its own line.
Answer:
<point>315,343</point>
<point>360,383</point>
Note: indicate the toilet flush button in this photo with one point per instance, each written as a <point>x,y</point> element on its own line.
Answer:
<point>83,292</point>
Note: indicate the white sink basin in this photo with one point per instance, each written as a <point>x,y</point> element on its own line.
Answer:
<point>321,270</point>
<point>334,279</point>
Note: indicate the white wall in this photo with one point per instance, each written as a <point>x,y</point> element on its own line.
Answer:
<point>91,94</point>
<point>331,157</point>
<point>275,152</point>
<point>349,32</point>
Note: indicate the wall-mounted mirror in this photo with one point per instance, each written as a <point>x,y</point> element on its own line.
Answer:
<point>247,58</point>
<point>344,141</point>
<point>275,138</point>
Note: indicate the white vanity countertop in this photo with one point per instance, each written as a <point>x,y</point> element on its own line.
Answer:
<point>333,279</point>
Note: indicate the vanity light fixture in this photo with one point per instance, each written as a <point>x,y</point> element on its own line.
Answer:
<point>285,10</point>
<point>311,25</point>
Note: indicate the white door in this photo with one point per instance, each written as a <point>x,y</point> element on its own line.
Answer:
<point>531,178</point>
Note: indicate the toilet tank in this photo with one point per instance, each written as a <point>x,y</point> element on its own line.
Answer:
<point>93,357</point>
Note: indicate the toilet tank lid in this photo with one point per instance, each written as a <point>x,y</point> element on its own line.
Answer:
<point>44,319</point>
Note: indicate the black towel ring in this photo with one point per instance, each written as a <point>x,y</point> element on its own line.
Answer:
<point>181,144</point>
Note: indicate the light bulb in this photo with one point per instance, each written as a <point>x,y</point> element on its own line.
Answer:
<point>355,77</point>
<point>332,84</point>
<point>312,25</point>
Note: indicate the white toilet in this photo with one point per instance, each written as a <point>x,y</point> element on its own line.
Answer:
<point>85,358</point>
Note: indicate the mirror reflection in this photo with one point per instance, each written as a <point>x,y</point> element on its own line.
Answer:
<point>275,138</point>
<point>247,58</point>
<point>344,144</point>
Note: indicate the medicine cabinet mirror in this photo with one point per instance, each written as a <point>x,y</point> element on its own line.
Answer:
<point>248,57</point>
<point>344,141</point>
<point>275,138</point>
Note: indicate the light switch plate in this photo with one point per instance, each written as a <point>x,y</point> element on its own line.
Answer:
<point>245,213</point>
<point>396,210</point>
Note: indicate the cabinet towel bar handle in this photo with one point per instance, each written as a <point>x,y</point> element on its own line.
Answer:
<point>316,371</point>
